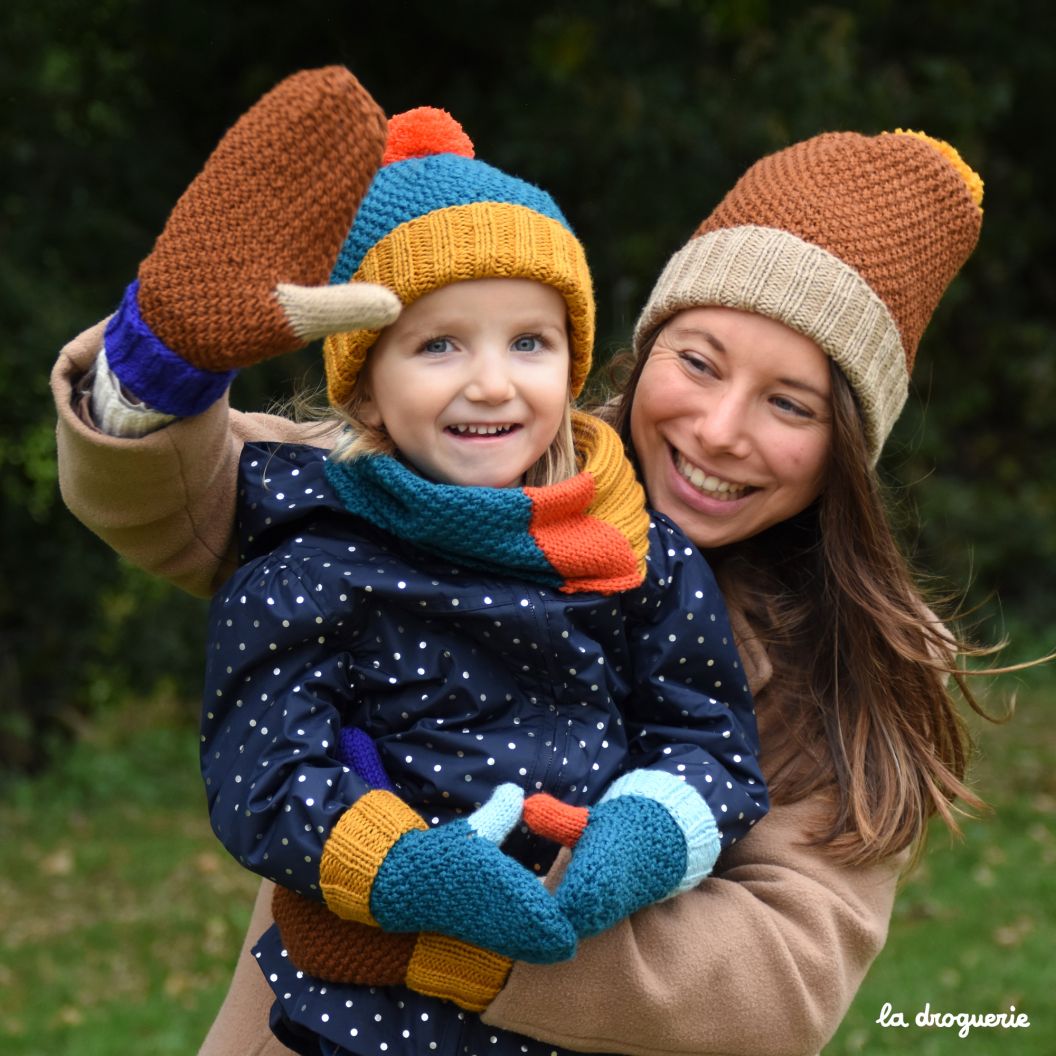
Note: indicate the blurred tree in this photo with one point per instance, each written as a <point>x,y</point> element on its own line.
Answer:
<point>637,114</point>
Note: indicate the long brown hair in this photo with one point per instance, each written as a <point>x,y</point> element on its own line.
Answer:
<point>861,665</point>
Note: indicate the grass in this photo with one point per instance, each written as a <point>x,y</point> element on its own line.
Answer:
<point>120,915</point>
<point>974,925</point>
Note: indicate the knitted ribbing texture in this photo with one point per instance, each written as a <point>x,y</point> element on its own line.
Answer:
<point>356,848</point>
<point>848,239</point>
<point>587,533</point>
<point>433,215</point>
<point>478,240</point>
<point>891,207</point>
<point>343,951</point>
<point>455,971</point>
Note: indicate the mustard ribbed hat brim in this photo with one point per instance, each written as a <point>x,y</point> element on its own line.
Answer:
<point>477,241</point>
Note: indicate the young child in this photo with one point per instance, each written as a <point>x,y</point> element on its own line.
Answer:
<point>470,578</point>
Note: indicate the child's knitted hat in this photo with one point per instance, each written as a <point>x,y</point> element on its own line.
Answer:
<point>847,239</point>
<point>434,215</point>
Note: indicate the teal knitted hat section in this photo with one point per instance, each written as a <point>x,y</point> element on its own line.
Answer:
<point>480,528</point>
<point>414,187</point>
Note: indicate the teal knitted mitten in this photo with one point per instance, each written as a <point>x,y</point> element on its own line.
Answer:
<point>382,865</point>
<point>649,838</point>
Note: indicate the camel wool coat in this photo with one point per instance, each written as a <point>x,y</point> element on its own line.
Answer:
<point>762,959</point>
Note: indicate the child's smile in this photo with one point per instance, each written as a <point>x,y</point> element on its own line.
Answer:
<point>482,429</point>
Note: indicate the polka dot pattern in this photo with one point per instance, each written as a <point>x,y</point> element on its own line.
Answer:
<point>331,622</point>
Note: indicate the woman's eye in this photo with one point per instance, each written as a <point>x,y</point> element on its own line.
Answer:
<point>698,364</point>
<point>782,403</point>
<point>527,343</point>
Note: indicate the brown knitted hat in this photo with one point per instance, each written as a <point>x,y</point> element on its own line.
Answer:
<point>848,239</point>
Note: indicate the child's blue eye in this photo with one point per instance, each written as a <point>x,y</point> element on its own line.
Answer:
<point>437,345</point>
<point>527,343</point>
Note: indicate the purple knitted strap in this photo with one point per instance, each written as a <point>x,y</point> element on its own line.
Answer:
<point>358,751</point>
<point>152,371</point>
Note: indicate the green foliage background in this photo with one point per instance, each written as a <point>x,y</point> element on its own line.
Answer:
<point>637,114</point>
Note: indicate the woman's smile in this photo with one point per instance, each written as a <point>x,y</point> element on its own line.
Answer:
<point>708,483</point>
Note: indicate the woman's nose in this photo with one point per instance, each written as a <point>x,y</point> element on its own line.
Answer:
<point>723,423</point>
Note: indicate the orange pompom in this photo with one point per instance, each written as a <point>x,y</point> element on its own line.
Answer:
<point>557,821</point>
<point>423,131</point>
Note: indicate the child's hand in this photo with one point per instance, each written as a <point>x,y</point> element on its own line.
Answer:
<point>650,837</point>
<point>225,285</point>
<point>382,865</point>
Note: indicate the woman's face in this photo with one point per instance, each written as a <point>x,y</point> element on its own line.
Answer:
<point>732,423</point>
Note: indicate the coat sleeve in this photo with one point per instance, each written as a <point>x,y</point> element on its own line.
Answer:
<point>278,658</point>
<point>690,717</point>
<point>166,502</point>
<point>761,959</point>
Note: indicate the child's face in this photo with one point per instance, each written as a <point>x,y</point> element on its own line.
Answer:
<point>471,382</point>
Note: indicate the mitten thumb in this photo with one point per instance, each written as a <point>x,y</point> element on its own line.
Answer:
<point>495,820</point>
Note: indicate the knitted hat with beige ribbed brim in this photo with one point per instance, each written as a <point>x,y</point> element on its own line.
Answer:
<point>848,239</point>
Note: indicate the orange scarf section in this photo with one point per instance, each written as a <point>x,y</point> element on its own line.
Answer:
<point>594,528</point>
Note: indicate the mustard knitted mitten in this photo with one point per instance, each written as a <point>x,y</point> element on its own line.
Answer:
<point>240,272</point>
<point>345,951</point>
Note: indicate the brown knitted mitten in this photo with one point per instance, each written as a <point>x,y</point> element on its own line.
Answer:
<point>272,206</point>
<point>344,951</point>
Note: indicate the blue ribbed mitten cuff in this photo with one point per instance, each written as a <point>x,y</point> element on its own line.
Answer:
<point>147,367</point>
<point>689,810</point>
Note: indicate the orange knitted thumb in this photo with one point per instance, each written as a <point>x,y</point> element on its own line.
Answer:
<point>554,820</point>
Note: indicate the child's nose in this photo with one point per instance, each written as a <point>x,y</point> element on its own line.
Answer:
<point>491,380</point>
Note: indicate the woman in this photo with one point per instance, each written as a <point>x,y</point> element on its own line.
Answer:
<point>771,361</point>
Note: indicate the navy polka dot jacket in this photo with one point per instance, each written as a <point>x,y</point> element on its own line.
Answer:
<point>465,680</point>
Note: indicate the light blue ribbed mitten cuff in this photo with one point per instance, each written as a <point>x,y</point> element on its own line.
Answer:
<point>687,807</point>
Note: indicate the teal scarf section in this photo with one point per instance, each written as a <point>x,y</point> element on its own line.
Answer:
<point>480,528</point>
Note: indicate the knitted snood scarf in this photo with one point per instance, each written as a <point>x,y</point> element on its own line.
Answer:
<point>587,533</point>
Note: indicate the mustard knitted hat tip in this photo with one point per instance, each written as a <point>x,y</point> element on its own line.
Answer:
<point>848,239</point>
<point>972,180</point>
<point>435,214</point>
